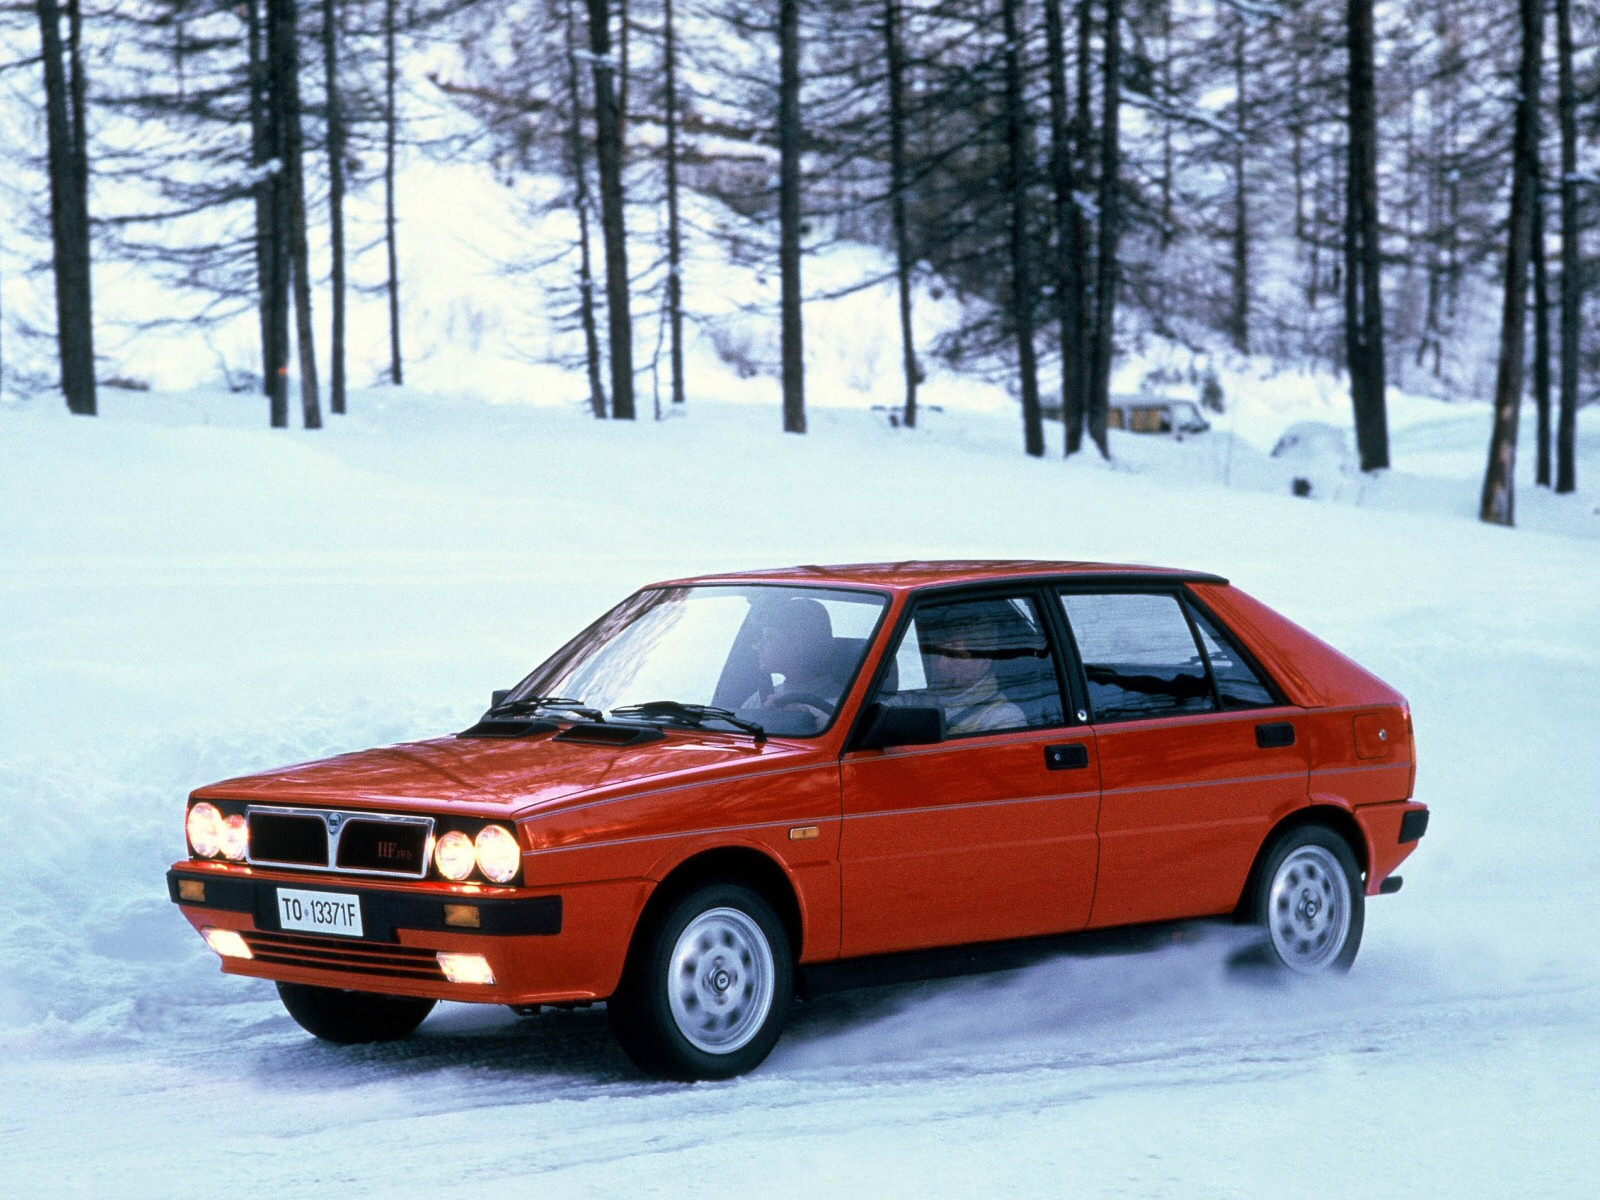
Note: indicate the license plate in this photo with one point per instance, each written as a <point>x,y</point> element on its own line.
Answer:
<point>320,912</point>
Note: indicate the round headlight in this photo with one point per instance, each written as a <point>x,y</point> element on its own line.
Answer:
<point>235,838</point>
<point>453,855</point>
<point>204,827</point>
<point>499,856</point>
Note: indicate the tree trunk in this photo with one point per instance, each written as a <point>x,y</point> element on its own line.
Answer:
<point>286,57</point>
<point>396,371</point>
<point>580,187</point>
<point>1571,268</point>
<point>1019,154</point>
<point>1363,266</point>
<point>1541,324</point>
<point>1498,507</point>
<point>1069,237</point>
<point>69,211</point>
<point>1105,298</point>
<point>674,224</point>
<point>335,105</point>
<point>1241,200</point>
<point>608,145</point>
<point>789,138</point>
<point>897,202</point>
<point>261,153</point>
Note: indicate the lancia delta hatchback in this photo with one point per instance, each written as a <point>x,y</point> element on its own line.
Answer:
<point>728,786</point>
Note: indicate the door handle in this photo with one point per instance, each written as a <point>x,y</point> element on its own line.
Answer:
<point>1275,734</point>
<point>1074,756</point>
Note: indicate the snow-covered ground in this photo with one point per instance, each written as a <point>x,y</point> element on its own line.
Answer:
<point>185,595</point>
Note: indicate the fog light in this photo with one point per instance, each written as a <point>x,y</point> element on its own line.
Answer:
<point>226,942</point>
<point>235,838</point>
<point>499,856</point>
<point>204,827</point>
<point>454,856</point>
<point>465,968</point>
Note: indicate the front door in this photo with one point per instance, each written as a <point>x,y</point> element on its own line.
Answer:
<point>989,834</point>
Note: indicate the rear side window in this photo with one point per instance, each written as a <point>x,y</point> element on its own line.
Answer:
<point>1237,684</point>
<point>1139,655</point>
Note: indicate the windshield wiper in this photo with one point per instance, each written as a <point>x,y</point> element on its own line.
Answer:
<point>693,715</point>
<point>532,704</point>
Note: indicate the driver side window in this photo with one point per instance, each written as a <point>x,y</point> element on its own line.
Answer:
<point>985,663</point>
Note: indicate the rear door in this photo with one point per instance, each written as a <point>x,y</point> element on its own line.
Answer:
<point>1199,757</point>
<point>991,833</point>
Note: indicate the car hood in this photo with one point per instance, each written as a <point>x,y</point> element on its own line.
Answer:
<point>505,777</point>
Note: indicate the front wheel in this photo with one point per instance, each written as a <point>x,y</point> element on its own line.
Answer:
<point>707,988</point>
<point>352,1018</point>
<point>1309,901</point>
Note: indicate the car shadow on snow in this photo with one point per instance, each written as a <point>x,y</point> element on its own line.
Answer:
<point>968,1004</point>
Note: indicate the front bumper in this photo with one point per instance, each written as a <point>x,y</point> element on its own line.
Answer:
<point>526,939</point>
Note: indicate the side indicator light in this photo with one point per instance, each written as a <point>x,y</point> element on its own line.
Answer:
<point>226,942</point>
<point>805,833</point>
<point>466,968</point>
<point>192,889</point>
<point>463,916</point>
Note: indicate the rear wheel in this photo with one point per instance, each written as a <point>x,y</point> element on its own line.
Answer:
<point>352,1018</point>
<point>707,988</point>
<point>1309,901</point>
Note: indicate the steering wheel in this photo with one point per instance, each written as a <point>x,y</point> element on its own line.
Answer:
<point>801,699</point>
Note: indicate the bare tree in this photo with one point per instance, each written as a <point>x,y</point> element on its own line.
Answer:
<point>336,185</point>
<point>390,232</point>
<point>65,125</point>
<point>608,145</point>
<point>1105,299</point>
<point>790,136</point>
<point>1069,282</point>
<point>1497,507</point>
<point>669,69</point>
<point>1363,285</point>
<point>1571,269</point>
<point>894,47</point>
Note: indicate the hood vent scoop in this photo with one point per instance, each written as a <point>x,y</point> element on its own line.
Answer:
<point>502,727</point>
<point>610,735</point>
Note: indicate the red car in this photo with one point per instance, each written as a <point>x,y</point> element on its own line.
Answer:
<point>726,786</point>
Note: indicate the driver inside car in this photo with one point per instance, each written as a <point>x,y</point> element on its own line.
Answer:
<point>795,649</point>
<point>959,657</point>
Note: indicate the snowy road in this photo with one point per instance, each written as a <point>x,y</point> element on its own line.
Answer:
<point>182,603</point>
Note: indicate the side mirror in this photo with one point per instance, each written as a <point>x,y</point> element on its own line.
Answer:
<point>894,725</point>
<point>497,696</point>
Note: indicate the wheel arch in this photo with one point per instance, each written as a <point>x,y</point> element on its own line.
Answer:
<point>759,872</point>
<point>1330,816</point>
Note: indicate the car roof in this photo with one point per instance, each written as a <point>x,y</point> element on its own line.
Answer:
<point>919,573</point>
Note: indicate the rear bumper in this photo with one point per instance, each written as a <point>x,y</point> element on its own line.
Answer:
<point>541,947</point>
<point>1392,832</point>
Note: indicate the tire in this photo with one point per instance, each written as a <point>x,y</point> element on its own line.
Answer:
<point>352,1018</point>
<point>1309,902</point>
<point>707,988</point>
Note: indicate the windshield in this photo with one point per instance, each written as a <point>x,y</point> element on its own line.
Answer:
<point>778,657</point>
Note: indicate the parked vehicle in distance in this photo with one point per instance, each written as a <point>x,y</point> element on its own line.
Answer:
<point>728,785</point>
<point>1148,414</point>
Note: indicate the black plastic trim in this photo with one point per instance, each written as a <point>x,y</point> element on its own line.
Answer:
<point>1390,885</point>
<point>499,727</point>
<point>1274,735</point>
<point>1413,825</point>
<point>383,911</point>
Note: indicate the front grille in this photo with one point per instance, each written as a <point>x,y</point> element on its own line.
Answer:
<point>298,839</point>
<point>336,954</point>
<point>396,846</point>
<point>322,839</point>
